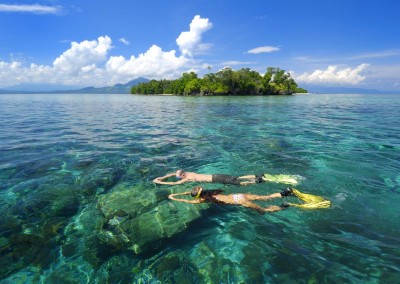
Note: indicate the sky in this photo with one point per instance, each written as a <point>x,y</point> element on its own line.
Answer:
<point>341,43</point>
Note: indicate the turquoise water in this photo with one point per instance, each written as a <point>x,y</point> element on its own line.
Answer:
<point>78,204</point>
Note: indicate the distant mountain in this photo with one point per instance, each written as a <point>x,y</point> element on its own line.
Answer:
<point>116,89</point>
<point>343,90</point>
<point>35,89</point>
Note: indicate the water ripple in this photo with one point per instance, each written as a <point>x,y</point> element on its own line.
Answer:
<point>63,157</point>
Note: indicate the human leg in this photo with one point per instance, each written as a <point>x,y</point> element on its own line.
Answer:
<point>273,208</point>
<point>263,177</point>
<point>262,197</point>
<point>250,179</point>
<point>259,209</point>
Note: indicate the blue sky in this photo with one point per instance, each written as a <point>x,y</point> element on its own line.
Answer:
<point>347,43</point>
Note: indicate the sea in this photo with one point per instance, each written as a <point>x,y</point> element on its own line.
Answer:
<point>78,203</point>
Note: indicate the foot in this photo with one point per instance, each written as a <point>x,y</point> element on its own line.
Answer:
<point>287,192</point>
<point>259,178</point>
<point>284,205</point>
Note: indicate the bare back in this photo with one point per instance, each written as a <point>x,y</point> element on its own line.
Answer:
<point>243,200</point>
<point>189,176</point>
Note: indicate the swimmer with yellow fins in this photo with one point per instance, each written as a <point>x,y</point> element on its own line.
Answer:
<point>215,196</point>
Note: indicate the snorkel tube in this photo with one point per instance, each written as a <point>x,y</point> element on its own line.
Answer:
<point>196,192</point>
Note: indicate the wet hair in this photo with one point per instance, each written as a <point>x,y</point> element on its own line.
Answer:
<point>204,193</point>
<point>195,191</point>
<point>179,173</point>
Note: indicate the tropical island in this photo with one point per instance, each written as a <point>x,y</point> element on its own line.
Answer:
<point>225,82</point>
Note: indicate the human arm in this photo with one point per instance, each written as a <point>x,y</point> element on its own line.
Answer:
<point>172,197</point>
<point>160,180</point>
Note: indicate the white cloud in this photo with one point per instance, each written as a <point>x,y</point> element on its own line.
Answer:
<point>189,42</point>
<point>124,41</point>
<point>378,54</point>
<point>89,63</point>
<point>333,75</point>
<point>263,49</point>
<point>154,63</point>
<point>76,66</point>
<point>82,54</point>
<point>36,9</point>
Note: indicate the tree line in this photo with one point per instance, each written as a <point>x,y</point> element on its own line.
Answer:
<point>225,82</point>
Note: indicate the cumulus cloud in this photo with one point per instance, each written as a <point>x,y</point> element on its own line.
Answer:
<point>189,42</point>
<point>263,49</point>
<point>36,9</point>
<point>154,63</point>
<point>333,75</point>
<point>83,54</point>
<point>74,66</point>
<point>89,62</point>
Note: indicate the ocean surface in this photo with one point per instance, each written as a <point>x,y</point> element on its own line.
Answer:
<point>78,204</point>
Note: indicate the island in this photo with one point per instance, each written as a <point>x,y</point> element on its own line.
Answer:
<point>225,82</point>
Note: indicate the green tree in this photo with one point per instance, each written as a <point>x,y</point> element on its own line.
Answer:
<point>192,87</point>
<point>226,81</point>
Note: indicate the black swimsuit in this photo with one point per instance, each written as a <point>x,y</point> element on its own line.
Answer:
<point>225,179</point>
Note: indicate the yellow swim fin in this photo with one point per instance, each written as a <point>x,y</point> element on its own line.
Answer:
<point>311,201</point>
<point>286,179</point>
<point>311,205</point>
<point>308,198</point>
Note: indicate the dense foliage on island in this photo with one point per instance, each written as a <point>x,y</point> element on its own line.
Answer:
<point>225,82</point>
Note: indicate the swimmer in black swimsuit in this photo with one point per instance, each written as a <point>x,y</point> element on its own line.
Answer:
<point>225,179</point>
<point>183,177</point>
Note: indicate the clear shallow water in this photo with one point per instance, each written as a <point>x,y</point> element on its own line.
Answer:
<point>78,204</point>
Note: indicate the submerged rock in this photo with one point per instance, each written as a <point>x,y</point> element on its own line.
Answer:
<point>174,267</point>
<point>138,220</point>
<point>118,269</point>
<point>82,237</point>
<point>98,180</point>
<point>33,225</point>
<point>212,267</point>
<point>29,274</point>
<point>71,272</point>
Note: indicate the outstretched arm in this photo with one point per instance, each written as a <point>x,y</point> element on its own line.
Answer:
<point>172,197</point>
<point>160,180</point>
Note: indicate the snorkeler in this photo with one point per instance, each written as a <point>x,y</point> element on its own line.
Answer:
<point>224,179</point>
<point>216,196</point>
